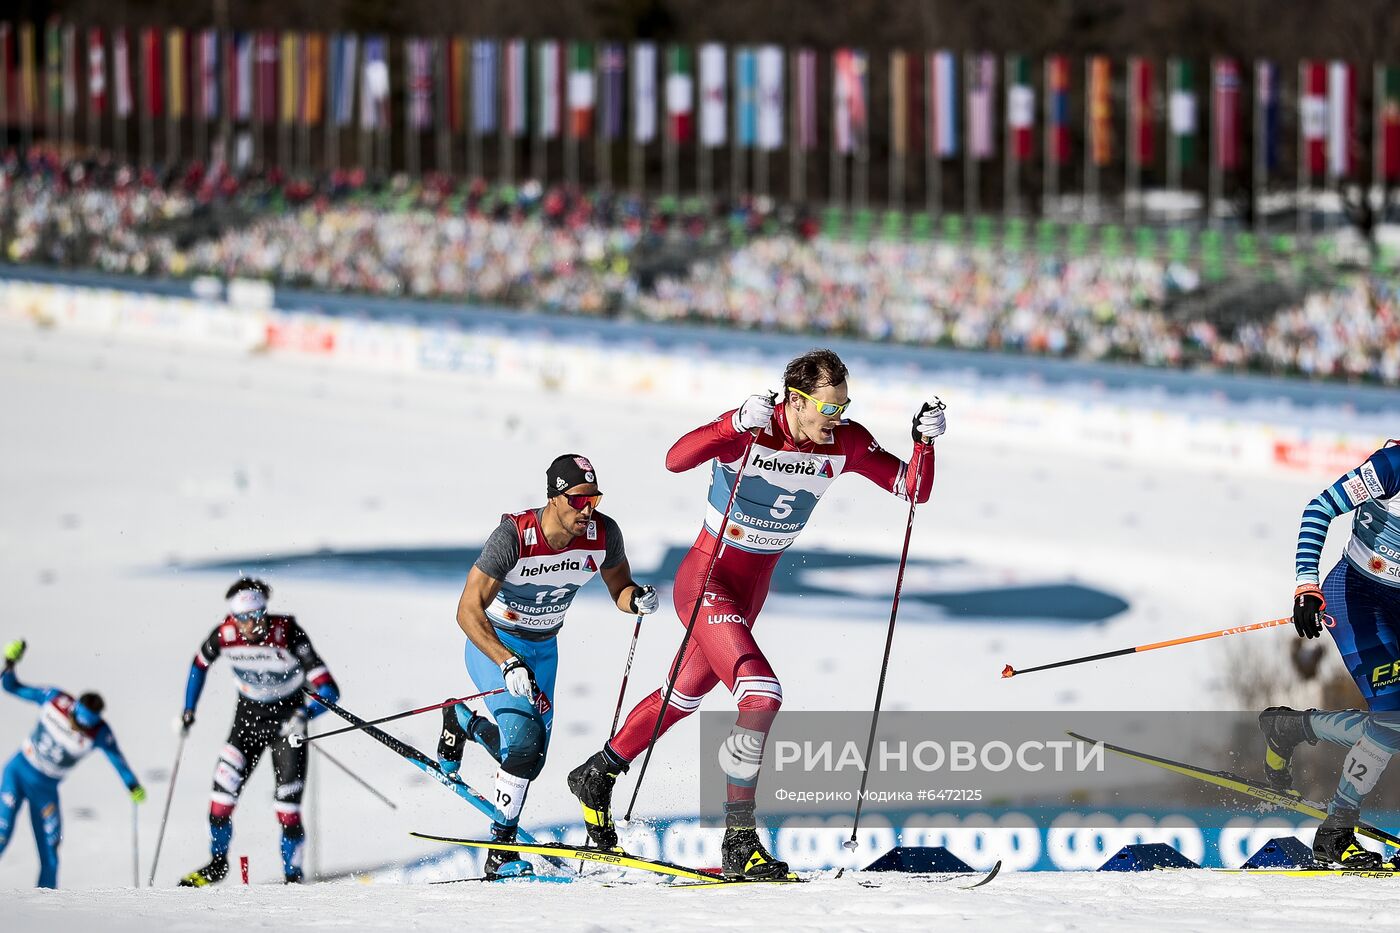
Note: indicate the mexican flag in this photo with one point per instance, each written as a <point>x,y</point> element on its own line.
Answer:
<point>680,93</point>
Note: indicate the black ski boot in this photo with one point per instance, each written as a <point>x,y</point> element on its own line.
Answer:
<point>452,740</point>
<point>743,853</point>
<point>1284,729</point>
<point>213,873</point>
<point>592,783</point>
<point>1335,843</point>
<point>503,863</point>
<point>745,856</point>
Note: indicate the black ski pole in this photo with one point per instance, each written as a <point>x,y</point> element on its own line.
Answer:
<point>296,741</point>
<point>851,843</point>
<point>356,778</point>
<point>169,796</point>
<point>626,672</point>
<point>690,626</point>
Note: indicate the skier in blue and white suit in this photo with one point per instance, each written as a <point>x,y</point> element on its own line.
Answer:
<point>1359,604</point>
<point>67,730</point>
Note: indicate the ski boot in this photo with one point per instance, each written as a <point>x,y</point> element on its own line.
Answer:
<point>452,740</point>
<point>503,863</point>
<point>592,783</point>
<point>745,857</point>
<point>1335,843</point>
<point>1284,729</point>
<point>214,872</point>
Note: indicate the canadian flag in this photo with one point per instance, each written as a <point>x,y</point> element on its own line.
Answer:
<point>1312,114</point>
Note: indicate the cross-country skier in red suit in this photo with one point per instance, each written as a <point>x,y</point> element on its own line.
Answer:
<point>800,446</point>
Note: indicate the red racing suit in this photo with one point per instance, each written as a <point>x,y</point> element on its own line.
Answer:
<point>782,483</point>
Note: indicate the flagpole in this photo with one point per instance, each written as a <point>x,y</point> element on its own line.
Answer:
<point>970,193</point>
<point>1009,204</point>
<point>634,146</point>
<point>1377,136</point>
<point>93,130</point>
<point>836,194</point>
<point>505,71</point>
<point>1258,163</point>
<point>536,129</point>
<point>1089,205</point>
<point>146,121</point>
<point>1133,158</point>
<point>796,183</point>
<point>860,171</point>
<point>1304,169</point>
<point>736,161</point>
<point>760,148</point>
<point>933,158</point>
<point>1049,155</point>
<point>894,187</point>
<point>602,115</point>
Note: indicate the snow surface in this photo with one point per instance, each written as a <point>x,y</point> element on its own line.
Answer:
<point>125,464</point>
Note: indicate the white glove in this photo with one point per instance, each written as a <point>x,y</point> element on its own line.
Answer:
<point>520,680</point>
<point>929,422</point>
<point>294,728</point>
<point>645,601</point>
<point>756,412</point>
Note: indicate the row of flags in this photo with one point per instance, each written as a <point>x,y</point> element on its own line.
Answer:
<point>941,104</point>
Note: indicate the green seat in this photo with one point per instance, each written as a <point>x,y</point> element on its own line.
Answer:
<point>1111,241</point>
<point>1145,242</point>
<point>920,227</point>
<point>953,228</point>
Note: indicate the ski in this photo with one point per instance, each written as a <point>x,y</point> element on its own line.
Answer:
<point>427,765</point>
<point>1313,872</point>
<point>617,859</point>
<point>1289,800</point>
<point>954,879</point>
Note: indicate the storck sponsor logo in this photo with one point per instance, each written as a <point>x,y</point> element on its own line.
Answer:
<point>568,563</point>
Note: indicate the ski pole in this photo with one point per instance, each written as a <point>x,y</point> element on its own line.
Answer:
<point>1010,671</point>
<point>626,672</point>
<point>356,778</point>
<point>851,844</point>
<point>135,847</point>
<point>296,741</point>
<point>690,626</point>
<point>169,796</point>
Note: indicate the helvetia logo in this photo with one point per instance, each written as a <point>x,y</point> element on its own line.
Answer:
<point>567,563</point>
<point>589,565</point>
<point>803,468</point>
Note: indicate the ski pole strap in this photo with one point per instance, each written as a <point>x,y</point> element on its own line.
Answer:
<point>403,715</point>
<point>1009,671</point>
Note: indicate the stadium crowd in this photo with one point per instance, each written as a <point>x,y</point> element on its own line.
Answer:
<point>584,253</point>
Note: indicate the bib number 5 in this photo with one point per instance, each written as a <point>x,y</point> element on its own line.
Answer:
<point>782,506</point>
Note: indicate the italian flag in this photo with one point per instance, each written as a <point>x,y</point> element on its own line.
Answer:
<point>1389,129</point>
<point>680,93</point>
<point>1020,107</point>
<point>582,90</point>
<point>1182,116</point>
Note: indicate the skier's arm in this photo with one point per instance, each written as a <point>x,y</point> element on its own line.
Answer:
<point>317,673</point>
<point>1377,478</point>
<point>630,596</point>
<point>108,743</point>
<point>478,593</point>
<point>722,438</point>
<point>199,670</point>
<point>913,480</point>
<point>39,695</point>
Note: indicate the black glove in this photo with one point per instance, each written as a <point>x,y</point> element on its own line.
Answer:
<point>1308,603</point>
<point>645,600</point>
<point>186,720</point>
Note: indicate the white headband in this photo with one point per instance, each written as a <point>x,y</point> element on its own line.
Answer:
<point>249,600</point>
